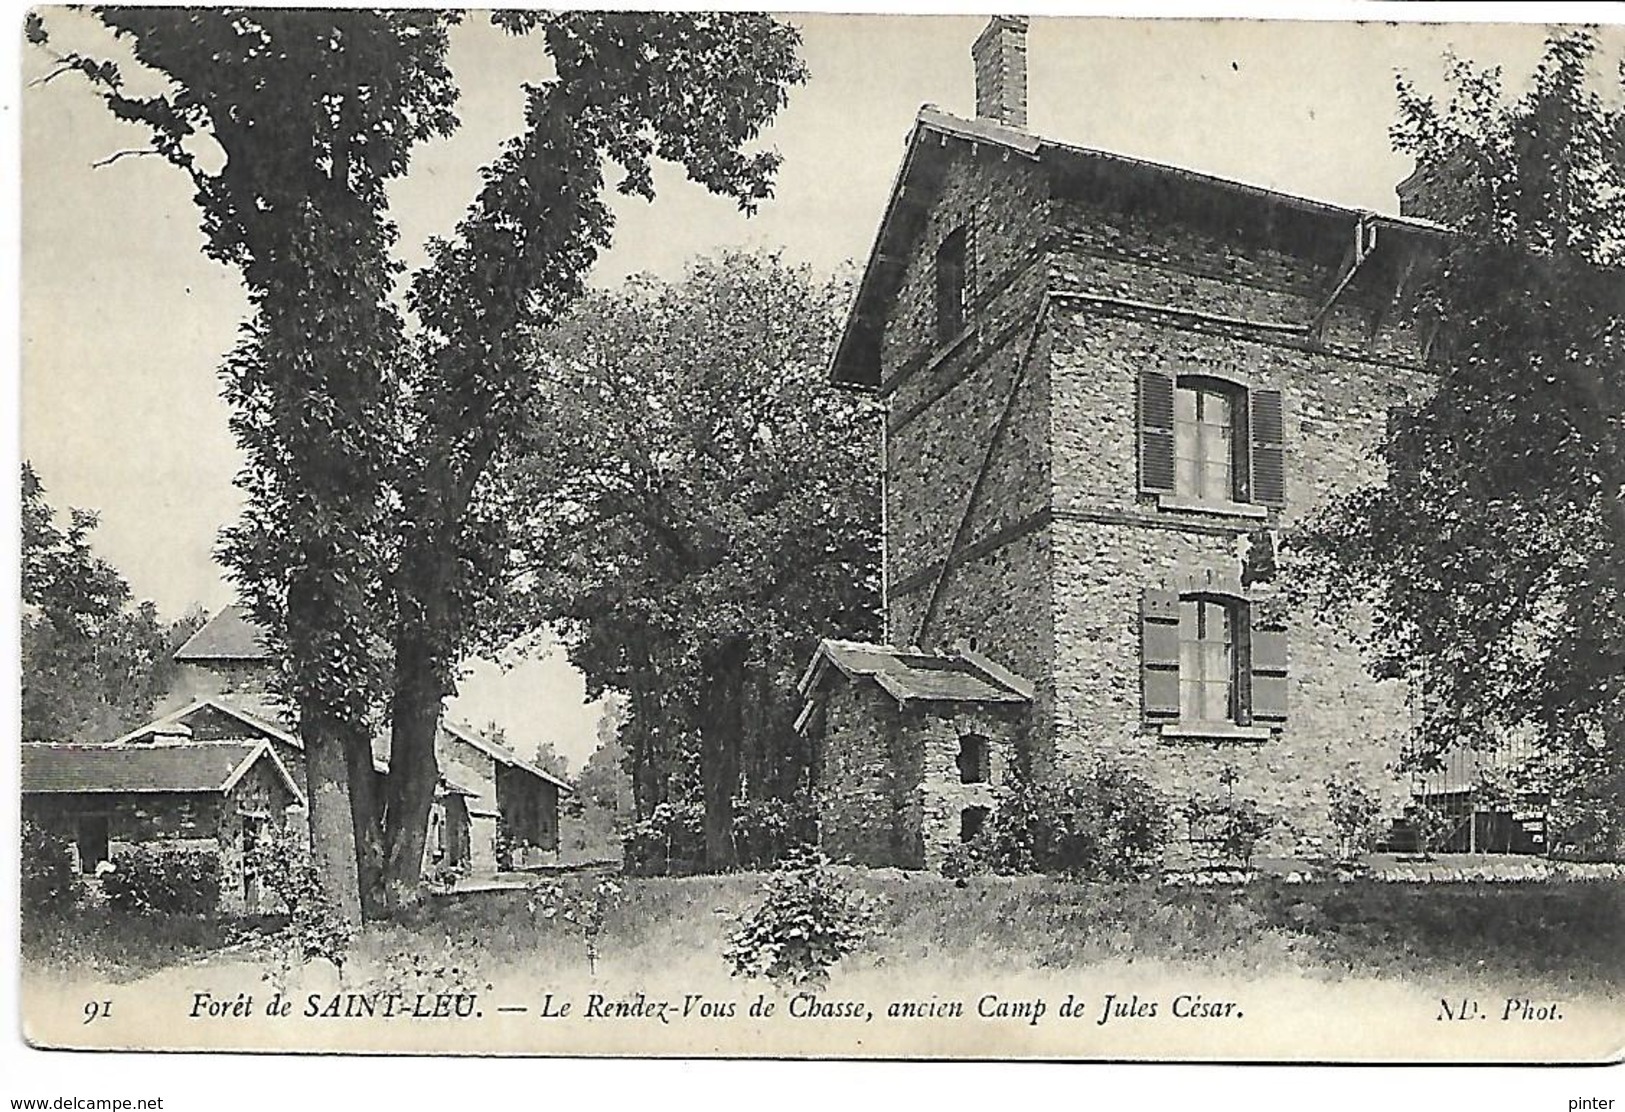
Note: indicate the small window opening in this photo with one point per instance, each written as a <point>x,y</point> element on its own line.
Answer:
<point>951,276</point>
<point>974,760</point>
<point>972,820</point>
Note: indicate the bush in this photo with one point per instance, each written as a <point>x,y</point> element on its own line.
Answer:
<point>1353,812</point>
<point>314,926</point>
<point>586,909</point>
<point>50,877</point>
<point>967,859</point>
<point>808,920</point>
<point>1103,824</point>
<point>166,881</point>
<point>768,830</point>
<point>1226,830</point>
<point>1432,824</point>
<point>671,841</point>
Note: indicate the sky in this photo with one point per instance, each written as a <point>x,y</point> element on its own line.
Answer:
<point>124,322</point>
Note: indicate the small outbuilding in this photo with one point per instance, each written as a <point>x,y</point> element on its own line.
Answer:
<point>217,796</point>
<point>907,747</point>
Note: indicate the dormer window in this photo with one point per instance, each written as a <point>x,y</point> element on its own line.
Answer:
<point>953,276</point>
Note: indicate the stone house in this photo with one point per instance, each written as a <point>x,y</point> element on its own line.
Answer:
<point>1110,386</point>
<point>216,796</point>
<point>225,655</point>
<point>492,808</point>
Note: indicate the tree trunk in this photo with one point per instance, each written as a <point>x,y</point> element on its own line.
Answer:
<point>332,829</point>
<point>414,769</point>
<point>721,733</point>
<point>367,820</point>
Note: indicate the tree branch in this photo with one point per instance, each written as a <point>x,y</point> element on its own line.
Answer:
<point>116,155</point>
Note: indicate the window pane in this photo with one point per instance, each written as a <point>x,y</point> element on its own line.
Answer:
<point>1186,479</point>
<point>1204,444</point>
<point>1185,404</point>
<point>1206,660</point>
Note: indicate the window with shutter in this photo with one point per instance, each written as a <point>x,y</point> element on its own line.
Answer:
<point>1159,655</point>
<point>1156,413</point>
<point>1207,444</point>
<point>1207,669</point>
<point>1267,423</point>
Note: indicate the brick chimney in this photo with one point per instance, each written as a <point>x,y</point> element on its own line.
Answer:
<point>1000,54</point>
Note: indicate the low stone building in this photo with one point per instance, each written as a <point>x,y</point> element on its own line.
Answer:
<point>924,742</point>
<point>1111,386</point>
<point>215,796</point>
<point>492,809</point>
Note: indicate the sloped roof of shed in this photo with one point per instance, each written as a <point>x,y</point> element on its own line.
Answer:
<point>503,755</point>
<point>262,715</point>
<point>201,766</point>
<point>912,676</point>
<point>229,635</point>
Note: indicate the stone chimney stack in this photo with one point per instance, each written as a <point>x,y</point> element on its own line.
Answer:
<point>1000,54</point>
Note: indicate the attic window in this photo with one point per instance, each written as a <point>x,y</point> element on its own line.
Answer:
<point>953,276</point>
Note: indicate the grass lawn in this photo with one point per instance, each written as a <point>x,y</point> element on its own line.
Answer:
<point>1557,934</point>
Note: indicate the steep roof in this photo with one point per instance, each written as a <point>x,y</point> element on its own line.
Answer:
<point>262,715</point>
<point>503,755</point>
<point>936,133</point>
<point>199,766</point>
<point>229,635</point>
<point>909,675</point>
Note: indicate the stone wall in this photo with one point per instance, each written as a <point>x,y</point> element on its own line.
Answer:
<point>132,819</point>
<point>945,403</point>
<point>1111,542</point>
<point>943,798</point>
<point>1340,722</point>
<point>194,681</point>
<point>856,791</point>
<point>889,790</point>
<point>260,798</point>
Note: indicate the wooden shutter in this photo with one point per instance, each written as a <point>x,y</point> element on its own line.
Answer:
<point>1267,650</point>
<point>1159,655</point>
<point>1266,423</point>
<point>1156,416</point>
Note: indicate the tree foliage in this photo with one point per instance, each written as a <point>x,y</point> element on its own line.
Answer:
<point>1494,552</point>
<point>711,508</point>
<point>93,663</point>
<point>377,539</point>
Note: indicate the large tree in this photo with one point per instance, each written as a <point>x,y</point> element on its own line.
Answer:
<point>378,532</point>
<point>93,663</point>
<point>1494,552</point>
<point>714,508</point>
